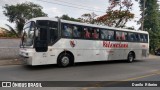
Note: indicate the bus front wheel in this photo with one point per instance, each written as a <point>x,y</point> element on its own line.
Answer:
<point>130,57</point>
<point>64,60</point>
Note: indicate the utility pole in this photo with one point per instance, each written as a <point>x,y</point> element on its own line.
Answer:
<point>143,12</point>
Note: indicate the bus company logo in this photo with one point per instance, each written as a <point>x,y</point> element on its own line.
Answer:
<point>108,44</point>
<point>72,43</point>
<point>6,84</point>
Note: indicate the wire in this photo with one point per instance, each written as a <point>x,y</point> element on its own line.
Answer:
<point>70,6</point>
<point>73,3</point>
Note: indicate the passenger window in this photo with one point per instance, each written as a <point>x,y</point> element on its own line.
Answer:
<point>95,33</point>
<point>132,37</point>
<point>118,35</point>
<point>124,36</point>
<point>146,37</point>
<point>87,32</point>
<point>107,34</point>
<point>67,30</point>
<point>104,34</point>
<point>111,35</point>
<point>141,38</point>
<point>137,37</point>
<point>77,31</point>
<point>121,35</point>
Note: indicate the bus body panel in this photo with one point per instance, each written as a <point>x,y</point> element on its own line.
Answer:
<point>85,51</point>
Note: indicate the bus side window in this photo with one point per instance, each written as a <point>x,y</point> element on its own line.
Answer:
<point>138,37</point>
<point>141,38</point>
<point>135,37</point>
<point>110,35</point>
<point>146,37</point>
<point>87,33</point>
<point>77,31</point>
<point>67,30</point>
<point>106,34</point>
<point>130,36</point>
<point>95,33</point>
<point>123,36</point>
<point>103,34</point>
<point>118,35</point>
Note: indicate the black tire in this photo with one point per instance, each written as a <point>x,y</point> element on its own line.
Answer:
<point>64,60</point>
<point>130,57</point>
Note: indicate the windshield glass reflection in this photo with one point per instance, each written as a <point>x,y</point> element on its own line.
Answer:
<point>28,34</point>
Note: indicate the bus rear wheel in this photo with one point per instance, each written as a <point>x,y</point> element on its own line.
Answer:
<point>64,60</point>
<point>130,58</point>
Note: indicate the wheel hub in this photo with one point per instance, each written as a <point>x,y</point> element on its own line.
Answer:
<point>130,58</point>
<point>65,61</point>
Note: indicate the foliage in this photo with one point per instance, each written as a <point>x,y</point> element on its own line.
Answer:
<point>118,13</point>
<point>66,17</point>
<point>152,22</point>
<point>7,33</point>
<point>20,13</point>
<point>88,18</point>
<point>12,31</point>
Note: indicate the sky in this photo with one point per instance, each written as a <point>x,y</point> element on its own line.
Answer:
<point>73,8</point>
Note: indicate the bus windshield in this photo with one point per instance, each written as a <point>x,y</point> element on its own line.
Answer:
<point>28,34</point>
<point>47,32</point>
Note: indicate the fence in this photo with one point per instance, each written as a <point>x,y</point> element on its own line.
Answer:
<point>9,48</point>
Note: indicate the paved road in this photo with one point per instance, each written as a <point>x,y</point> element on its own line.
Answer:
<point>141,70</point>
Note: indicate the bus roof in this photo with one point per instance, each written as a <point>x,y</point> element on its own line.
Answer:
<point>85,24</point>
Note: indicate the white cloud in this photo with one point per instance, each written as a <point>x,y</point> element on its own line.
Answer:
<point>57,10</point>
<point>12,2</point>
<point>4,21</point>
<point>96,8</point>
<point>136,11</point>
<point>53,11</point>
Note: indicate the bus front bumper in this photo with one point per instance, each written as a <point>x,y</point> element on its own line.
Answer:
<point>26,60</point>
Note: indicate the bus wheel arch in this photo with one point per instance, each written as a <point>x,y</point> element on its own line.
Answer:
<point>131,56</point>
<point>65,54</point>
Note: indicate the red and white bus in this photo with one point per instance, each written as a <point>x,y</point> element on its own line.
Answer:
<point>55,41</point>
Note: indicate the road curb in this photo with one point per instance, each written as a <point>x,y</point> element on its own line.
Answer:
<point>152,56</point>
<point>20,61</point>
<point>11,62</point>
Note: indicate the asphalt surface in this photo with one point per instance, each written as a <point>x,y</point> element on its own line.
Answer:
<point>140,70</point>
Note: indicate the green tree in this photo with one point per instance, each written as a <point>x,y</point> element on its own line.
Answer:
<point>66,17</point>
<point>152,22</point>
<point>88,18</point>
<point>20,13</point>
<point>118,13</point>
<point>11,30</point>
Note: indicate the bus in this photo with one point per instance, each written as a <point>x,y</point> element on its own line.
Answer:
<point>54,41</point>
